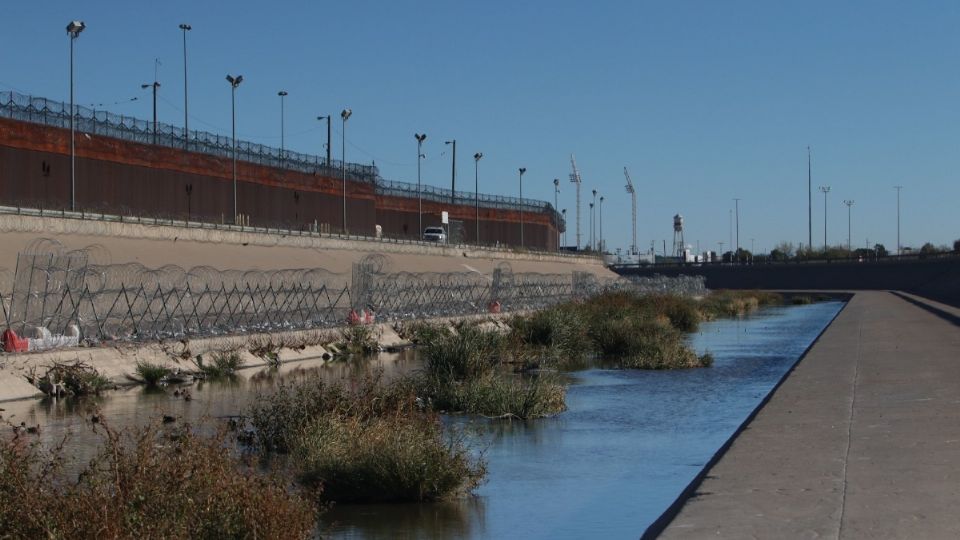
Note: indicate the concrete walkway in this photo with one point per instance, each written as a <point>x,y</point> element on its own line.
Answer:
<point>861,441</point>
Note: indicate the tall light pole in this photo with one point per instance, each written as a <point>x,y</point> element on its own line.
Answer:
<point>591,227</point>
<point>327,118</point>
<point>420,138</point>
<point>344,116</point>
<point>234,83</point>
<point>453,172</point>
<point>825,190</point>
<point>601,224</point>
<point>898,188</point>
<point>593,222</point>
<point>186,132</point>
<point>736,202</point>
<point>282,94</point>
<point>476,188</point>
<point>155,85</point>
<point>73,30</point>
<point>556,199</point>
<point>522,170</point>
<point>849,203</point>
<point>809,203</point>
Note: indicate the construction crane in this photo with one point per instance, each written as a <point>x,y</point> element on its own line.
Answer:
<point>633,206</point>
<point>575,178</point>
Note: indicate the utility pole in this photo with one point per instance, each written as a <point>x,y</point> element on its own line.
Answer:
<point>155,85</point>
<point>556,198</point>
<point>420,138</point>
<point>522,170</point>
<point>575,178</point>
<point>809,203</point>
<point>476,189</point>
<point>825,190</point>
<point>737,250</point>
<point>633,211</point>
<point>849,204</point>
<point>898,188</point>
<point>186,131</point>
<point>453,173</point>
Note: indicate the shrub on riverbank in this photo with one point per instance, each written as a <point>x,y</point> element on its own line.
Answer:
<point>223,364</point>
<point>147,483</point>
<point>467,354</point>
<point>727,303</point>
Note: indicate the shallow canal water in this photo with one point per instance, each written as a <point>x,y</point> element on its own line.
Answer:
<point>628,445</point>
<point>606,468</point>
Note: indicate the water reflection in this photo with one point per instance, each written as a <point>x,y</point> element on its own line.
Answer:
<point>630,441</point>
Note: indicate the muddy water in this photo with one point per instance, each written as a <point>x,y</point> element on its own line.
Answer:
<point>606,468</point>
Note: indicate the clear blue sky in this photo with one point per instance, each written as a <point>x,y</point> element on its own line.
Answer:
<point>704,101</point>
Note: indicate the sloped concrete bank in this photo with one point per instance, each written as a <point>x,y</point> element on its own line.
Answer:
<point>119,362</point>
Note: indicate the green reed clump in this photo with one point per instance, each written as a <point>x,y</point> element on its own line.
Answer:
<point>364,440</point>
<point>145,483</point>
<point>501,395</point>
<point>223,364</point>
<point>151,373</point>
<point>559,329</point>
<point>468,353</point>
<point>801,300</point>
<point>395,457</point>
<point>727,303</point>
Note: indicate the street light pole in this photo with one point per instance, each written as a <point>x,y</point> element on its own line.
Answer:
<point>809,203</point>
<point>522,170</point>
<point>825,190</point>
<point>601,224</point>
<point>849,204</point>
<point>73,30</point>
<point>736,251</point>
<point>476,188</point>
<point>898,188</point>
<point>593,222</point>
<point>344,115</point>
<point>327,118</point>
<point>420,138</point>
<point>186,131</point>
<point>453,173</point>
<point>282,94</point>
<point>154,85</point>
<point>234,83</point>
<point>556,195</point>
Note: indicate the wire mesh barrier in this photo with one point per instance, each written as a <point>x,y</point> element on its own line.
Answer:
<point>39,110</point>
<point>52,291</point>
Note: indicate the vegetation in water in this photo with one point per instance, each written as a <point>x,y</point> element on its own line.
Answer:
<point>71,379</point>
<point>222,364</point>
<point>150,373</point>
<point>358,339</point>
<point>364,441</point>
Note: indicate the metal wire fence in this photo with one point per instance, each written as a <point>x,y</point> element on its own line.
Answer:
<point>52,291</point>
<point>49,112</point>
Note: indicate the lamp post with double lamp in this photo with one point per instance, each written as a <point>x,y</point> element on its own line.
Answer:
<point>522,170</point>
<point>476,189</point>
<point>186,132</point>
<point>825,190</point>
<point>420,138</point>
<point>282,94</point>
<point>556,203</point>
<point>155,85</point>
<point>327,118</point>
<point>849,203</point>
<point>344,116</point>
<point>234,83</point>
<point>453,172</point>
<point>73,30</point>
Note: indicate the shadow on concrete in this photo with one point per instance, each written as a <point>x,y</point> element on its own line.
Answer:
<point>943,314</point>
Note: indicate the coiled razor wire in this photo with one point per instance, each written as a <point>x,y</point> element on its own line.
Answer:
<point>54,288</point>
